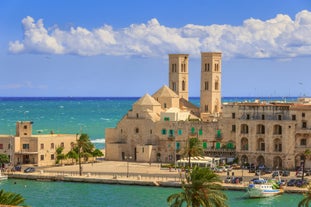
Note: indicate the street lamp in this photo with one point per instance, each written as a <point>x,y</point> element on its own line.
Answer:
<point>303,168</point>
<point>127,158</point>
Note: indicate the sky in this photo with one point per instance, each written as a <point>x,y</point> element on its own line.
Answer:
<point>119,48</point>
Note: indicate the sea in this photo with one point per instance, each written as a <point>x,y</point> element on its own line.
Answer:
<point>92,115</point>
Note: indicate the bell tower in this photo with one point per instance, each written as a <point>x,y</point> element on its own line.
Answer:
<point>178,74</point>
<point>210,95</point>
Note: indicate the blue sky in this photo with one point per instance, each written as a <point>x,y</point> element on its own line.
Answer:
<point>120,48</point>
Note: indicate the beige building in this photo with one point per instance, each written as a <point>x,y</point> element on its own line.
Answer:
<point>156,129</point>
<point>40,150</point>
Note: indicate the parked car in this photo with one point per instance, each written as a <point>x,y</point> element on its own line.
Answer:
<point>301,183</point>
<point>285,173</point>
<point>267,170</point>
<point>292,182</point>
<point>29,170</point>
<point>16,168</point>
<point>236,180</point>
<point>276,174</point>
<point>299,174</point>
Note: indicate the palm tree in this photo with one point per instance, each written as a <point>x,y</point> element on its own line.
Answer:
<point>73,155</point>
<point>193,148</point>
<point>12,199</point>
<point>306,199</point>
<point>85,148</point>
<point>200,188</point>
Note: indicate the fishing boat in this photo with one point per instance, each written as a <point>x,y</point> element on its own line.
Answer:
<point>261,188</point>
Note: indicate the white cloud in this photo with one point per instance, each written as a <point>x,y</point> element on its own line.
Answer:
<point>280,37</point>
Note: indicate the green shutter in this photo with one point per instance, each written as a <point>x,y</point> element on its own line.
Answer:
<point>200,132</point>
<point>217,145</point>
<point>204,145</point>
<point>192,130</point>
<point>171,132</point>
<point>163,131</point>
<point>177,145</point>
<point>179,132</point>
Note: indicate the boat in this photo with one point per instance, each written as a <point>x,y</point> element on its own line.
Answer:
<point>262,188</point>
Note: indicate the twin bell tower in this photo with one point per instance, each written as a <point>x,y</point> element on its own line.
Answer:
<point>210,87</point>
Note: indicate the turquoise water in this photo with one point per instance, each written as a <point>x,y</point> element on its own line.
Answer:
<point>63,194</point>
<point>92,116</point>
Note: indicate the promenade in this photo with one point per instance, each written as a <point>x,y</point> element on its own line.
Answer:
<point>133,173</point>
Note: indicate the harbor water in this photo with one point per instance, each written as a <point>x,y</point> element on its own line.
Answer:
<point>92,116</point>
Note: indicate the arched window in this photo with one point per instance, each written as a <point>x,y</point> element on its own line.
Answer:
<point>183,85</point>
<point>260,144</point>
<point>260,129</point>
<point>244,129</point>
<point>244,144</point>
<point>277,129</point>
<point>216,85</point>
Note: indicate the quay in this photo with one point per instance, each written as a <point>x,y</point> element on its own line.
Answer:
<point>133,173</point>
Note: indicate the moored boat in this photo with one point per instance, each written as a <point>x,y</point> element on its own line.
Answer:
<point>261,188</point>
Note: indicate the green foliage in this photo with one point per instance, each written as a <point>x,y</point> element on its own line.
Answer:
<point>200,188</point>
<point>8,198</point>
<point>193,148</point>
<point>97,153</point>
<point>4,158</point>
<point>306,199</point>
<point>73,155</point>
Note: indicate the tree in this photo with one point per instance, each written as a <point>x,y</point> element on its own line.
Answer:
<point>59,154</point>
<point>4,159</point>
<point>97,153</point>
<point>193,148</point>
<point>306,199</point>
<point>200,188</point>
<point>85,148</point>
<point>73,155</point>
<point>12,199</point>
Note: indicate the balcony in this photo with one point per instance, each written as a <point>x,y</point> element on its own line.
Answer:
<point>171,137</point>
<point>277,136</point>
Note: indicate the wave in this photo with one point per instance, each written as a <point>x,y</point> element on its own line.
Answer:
<point>99,140</point>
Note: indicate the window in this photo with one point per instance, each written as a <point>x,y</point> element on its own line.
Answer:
<point>136,130</point>
<point>25,146</point>
<point>263,117</point>
<point>1,146</point>
<point>174,86</point>
<point>204,145</point>
<point>233,115</point>
<point>52,145</point>
<point>277,130</point>
<point>279,117</point>
<point>42,146</point>
<point>41,157</point>
<point>166,118</point>
<point>52,156</point>
<point>247,116</point>
<point>192,130</point>
<point>244,129</point>
<point>150,131</point>
<point>303,115</point>
<point>163,131</point>
<point>233,128</point>
<point>25,126</point>
<point>205,67</point>
<point>206,108</point>
<point>179,131</point>
<point>62,144</point>
<point>303,142</point>
<point>143,150</point>
<point>9,146</point>
<point>216,85</point>
<point>165,106</point>
<point>206,85</point>
<point>171,132</point>
<point>293,117</point>
<point>177,146</point>
<point>183,85</point>
<point>304,124</point>
<point>137,116</point>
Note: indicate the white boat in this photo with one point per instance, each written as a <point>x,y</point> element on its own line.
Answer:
<point>261,189</point>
